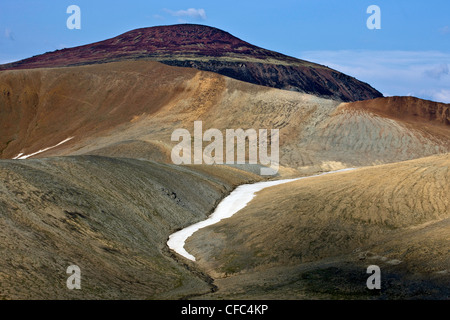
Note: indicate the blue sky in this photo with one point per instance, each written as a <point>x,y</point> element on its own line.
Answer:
<point>409,55</point>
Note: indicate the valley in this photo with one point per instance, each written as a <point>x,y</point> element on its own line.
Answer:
<point>87,177</point>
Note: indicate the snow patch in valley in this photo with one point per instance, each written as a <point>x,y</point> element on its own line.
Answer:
<point>234,202</point>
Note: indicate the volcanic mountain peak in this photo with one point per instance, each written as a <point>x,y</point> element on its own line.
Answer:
<point>182,39</point>
<point>187,39</point>
<point>210,49</point>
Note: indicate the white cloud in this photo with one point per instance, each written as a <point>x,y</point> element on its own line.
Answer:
<point>442,95</point>
<point>438,71</point>
<point>9,34</point>
<point>445,30</point>
<point>158,17</point>
<point>423,74</point>
<point>197,14</point>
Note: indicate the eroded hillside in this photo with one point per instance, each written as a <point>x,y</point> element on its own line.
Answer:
<point>111,217</point>
<point>130,109</point>
<point>325,231</point>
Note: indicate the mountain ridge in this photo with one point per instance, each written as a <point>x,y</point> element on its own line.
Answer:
<point>209,49</point>
<point>131,108</point>
<point>97,187</point>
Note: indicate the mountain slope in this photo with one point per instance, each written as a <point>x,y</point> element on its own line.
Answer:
<point>111,217</point>
<point>92,193</point>
<point>406,109</point>
<point>325,231</point>
<point>380,130</point>
<point>210,49</point>
<point>131,108</point>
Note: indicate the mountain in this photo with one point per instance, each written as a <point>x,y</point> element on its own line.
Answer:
<point>395,216</point>
<point>409,109</point>
<point>97,187</point>
<point>210,49</point>
<point>109,216</point>
<point>131,108</point>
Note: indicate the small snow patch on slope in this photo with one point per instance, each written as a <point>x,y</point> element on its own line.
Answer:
<point>20,156</point>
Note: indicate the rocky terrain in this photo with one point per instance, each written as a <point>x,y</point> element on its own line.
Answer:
<point>131,108</point>
<point>109,216</point>
<point>97,186</point>
<point>429,114</point>
<point>324,232</point>
<point>210,49</point>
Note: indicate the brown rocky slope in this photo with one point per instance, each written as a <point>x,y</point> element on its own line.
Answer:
<point>111,217</point>
<point>131,108</point>
<point>121,207</point>
<point>324,232</point>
